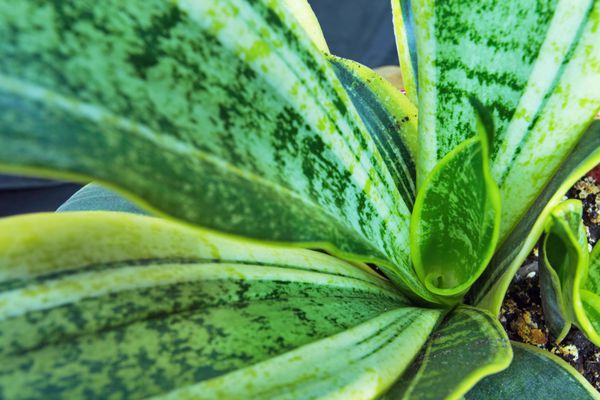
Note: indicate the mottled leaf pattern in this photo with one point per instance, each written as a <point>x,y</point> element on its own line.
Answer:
<point>489,290</point>
<point>455,221</point>
<point>113,304</point>
<point>535,64</point>
<point>467,346</point>
<point>534,374</point>
<point>389,117</point>
<point>223,114</point>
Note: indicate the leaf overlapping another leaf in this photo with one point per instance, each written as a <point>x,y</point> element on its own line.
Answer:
<point>223,114</point>
<point>534,64</point>
<point>154,307</point>
<point>488,292</point>
<point>456,218</point>
<point>569,277</point>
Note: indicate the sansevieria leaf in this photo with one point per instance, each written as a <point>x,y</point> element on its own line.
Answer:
<point>390,119</point>
<point>404,30</point>
<point>133,306</point>
<point>456,218</point>
<point>467,346</point>
<point>534,64</point>
<point>534,374</point>
<point>223,114</point>
<point>569,277</point>
<point>489,290</point>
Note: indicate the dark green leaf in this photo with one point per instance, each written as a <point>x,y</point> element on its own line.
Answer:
<point>534,374</point>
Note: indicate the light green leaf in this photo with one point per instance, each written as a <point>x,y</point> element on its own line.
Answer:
<point>405,41</point>
<point>390,119</point>
<point>223,114</point>
<point>305,16</point>
<point>489,290</point>
<point>534,64</point>
<point>455,221</point>
<point>536,375</point>
<point>125,305</point>
<point>468,345</point>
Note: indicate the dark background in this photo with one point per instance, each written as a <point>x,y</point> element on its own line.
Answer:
<point>360,30</point>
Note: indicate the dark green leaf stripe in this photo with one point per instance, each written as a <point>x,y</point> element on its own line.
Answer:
<point>488,291</point>
<point>456,218</point>
<point>467,346</point>
<point>85,321</point>
<point>390,119</point>
<point>534,374</point>
<point>535,64</point>
<point>223,114</point>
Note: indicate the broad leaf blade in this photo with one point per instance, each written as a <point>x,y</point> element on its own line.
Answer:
<point>223,114</point>
<point>489,290</point>
<point>119,304</point>
<point>467,346</point>
<point>534,374</point>
<point>359,363</point>
<point>535,64</point>
<point>455,221</point>
<point>390,119</point>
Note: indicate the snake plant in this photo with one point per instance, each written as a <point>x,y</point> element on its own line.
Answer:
<point>309,230</point>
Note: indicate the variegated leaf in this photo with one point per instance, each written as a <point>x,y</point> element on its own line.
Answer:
<point>115,304</point>
<point>223,114</point>
<point>455,221</point>
<point>390,119</point>
<point>467,346</point>
<point>568,275</point>
<point>536,375</point>
<point>535,64</point>
<point>489,290</point>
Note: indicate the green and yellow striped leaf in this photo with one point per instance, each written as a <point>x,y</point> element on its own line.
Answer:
<point>489,290</point>
<point>390,119</point>
<point>467,346</point>
<point>536,375</point>
<point>122,305</point>
<point>456,218</point>
<point>569,275</point>
<point>224,114</point>
<point>404,30</point>
<point>535,64</point>
<point>563,269</point>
